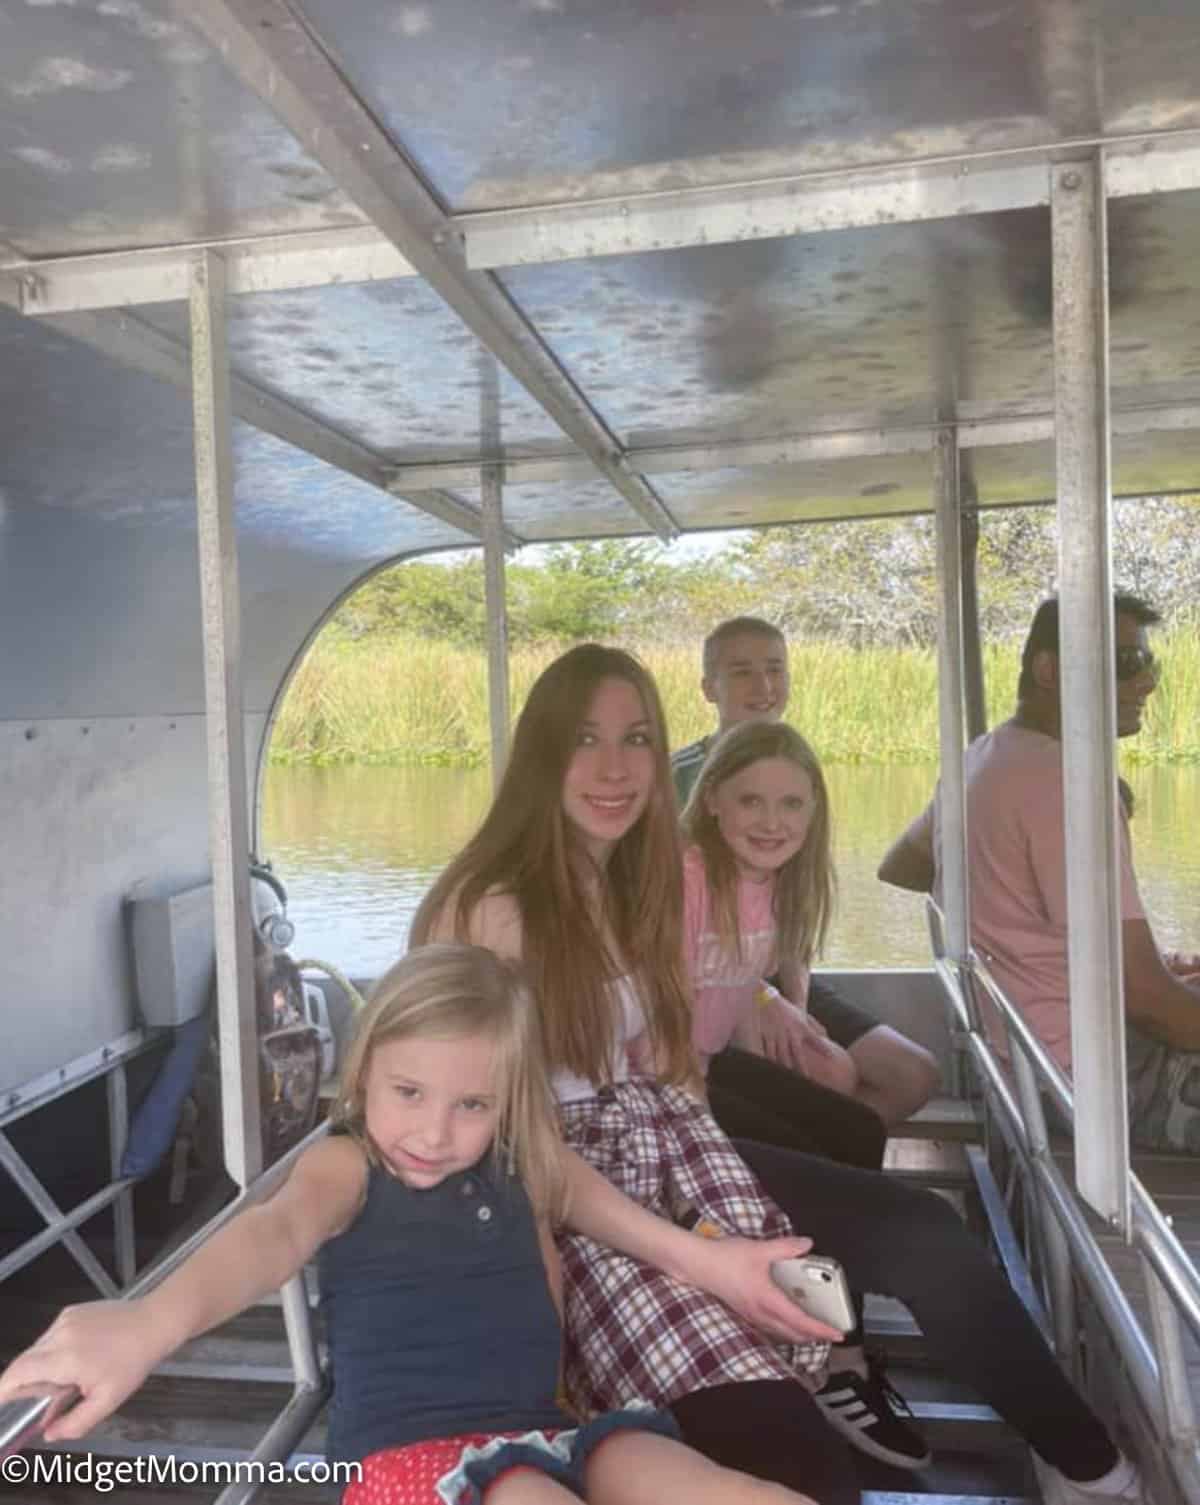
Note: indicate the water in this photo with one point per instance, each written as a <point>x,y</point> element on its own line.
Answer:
<point>358,847</point>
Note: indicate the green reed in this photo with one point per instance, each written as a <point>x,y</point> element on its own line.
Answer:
<point>388,700</point>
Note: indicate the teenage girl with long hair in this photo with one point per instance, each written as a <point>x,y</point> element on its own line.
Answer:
<point>576,870</point>
<point>428,1210</point>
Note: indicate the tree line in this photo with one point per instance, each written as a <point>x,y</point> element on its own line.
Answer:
<point>864,584</point>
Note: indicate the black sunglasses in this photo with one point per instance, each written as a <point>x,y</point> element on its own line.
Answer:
<point>1134,661</point>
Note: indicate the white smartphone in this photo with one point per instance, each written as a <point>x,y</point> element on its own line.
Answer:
<point>817,1284</point>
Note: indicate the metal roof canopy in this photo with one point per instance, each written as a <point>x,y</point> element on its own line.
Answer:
<point>739,262</point>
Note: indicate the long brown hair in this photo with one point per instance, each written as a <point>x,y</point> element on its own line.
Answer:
<point>526,848</point>
<point>805,885</point>
<point>451,990</point>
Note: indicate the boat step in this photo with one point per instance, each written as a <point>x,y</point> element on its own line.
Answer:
<point>194,1417</point>
<point>963,1427</point>
<point>931,1162</point>
<point>221,1357</point>
<point>943,1118</point>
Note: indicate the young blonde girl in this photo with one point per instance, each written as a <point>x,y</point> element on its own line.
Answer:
<point>758,896</point>
<point>428,1209</point>
<point>577,869</point>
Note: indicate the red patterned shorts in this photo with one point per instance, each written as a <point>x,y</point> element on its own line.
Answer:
<point>460,1470</point>
<point>410,1475</point>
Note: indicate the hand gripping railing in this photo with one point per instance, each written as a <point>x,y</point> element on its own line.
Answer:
<point>22,1421</point>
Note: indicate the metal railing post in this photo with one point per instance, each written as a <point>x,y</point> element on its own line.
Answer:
<point>1050,1236</point>
<point>228,809</point>
<point>1087,685</point>
<point>952,809</point>
<point>1178,1406</point>
<point>497,618</point>
<point>116,1086</point>
<point>974,688</point>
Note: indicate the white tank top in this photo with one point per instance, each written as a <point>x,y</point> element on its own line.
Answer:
<point>569,1088</point>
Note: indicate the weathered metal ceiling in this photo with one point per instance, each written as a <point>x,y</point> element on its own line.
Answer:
<point>742,257</point>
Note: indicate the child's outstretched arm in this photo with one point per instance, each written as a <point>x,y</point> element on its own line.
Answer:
<point>105,1349</point>
<point>736,1270</point>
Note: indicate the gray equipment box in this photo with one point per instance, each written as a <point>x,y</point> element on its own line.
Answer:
<point>174,951</point>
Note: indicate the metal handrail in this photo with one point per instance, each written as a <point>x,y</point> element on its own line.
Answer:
<point>1156,1366</point>
<point>1152,1233</point>
<point>22,1421</point>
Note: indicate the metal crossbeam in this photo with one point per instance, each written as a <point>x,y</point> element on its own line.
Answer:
<point>258,264</point>
<point>272,51</point>
<point>17,1101</point>
<point>899,193</point>
<point>857,439</point>
<point>126,338</point>
<point>803,204</point>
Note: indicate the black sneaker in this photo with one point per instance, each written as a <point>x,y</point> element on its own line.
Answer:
<point>872,1417</point>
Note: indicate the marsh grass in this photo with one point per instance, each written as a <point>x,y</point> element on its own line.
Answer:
<point>413,701</point>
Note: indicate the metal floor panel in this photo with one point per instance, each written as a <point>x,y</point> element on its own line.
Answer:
<point>886,1497</point>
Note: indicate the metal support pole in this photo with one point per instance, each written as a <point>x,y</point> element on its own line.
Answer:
<point>117,1088</point>
<point>974,692</point>
<point>1087,684</point>
<point>952,815</point>
<point>297,1321</point>
<point>228,810</point>
<point>497,618</point>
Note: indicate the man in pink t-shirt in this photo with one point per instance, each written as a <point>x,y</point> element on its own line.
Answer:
<point>1016,864</point>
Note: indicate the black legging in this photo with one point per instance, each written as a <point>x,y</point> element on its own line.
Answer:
<point>753,1098</point>
<point>773,1430</point>
<point>900,1241</point>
